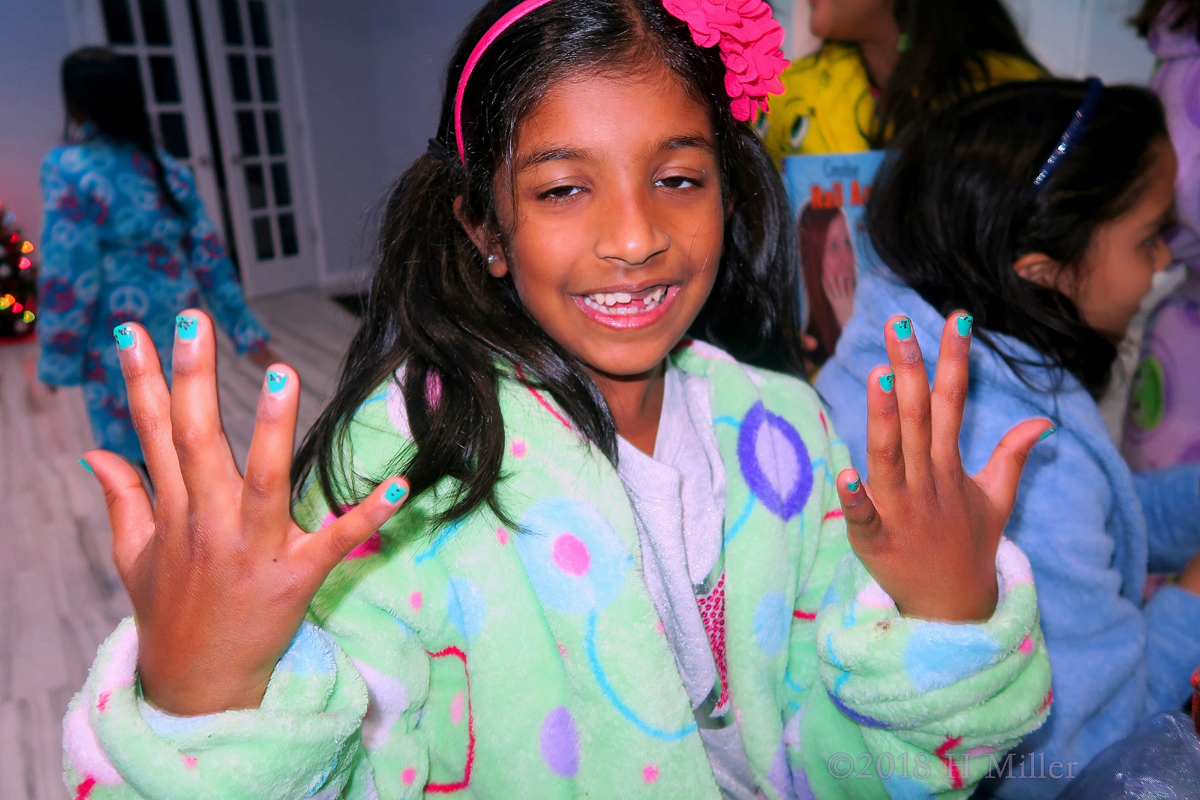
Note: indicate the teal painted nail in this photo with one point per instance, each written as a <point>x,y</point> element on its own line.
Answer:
<point>186,327</point>
<point>1049,431</point>
<point>964,325</point>
<point>395,493</point>
<point>276,380</point>
<point>124,336</point>
<point>87,466</point>
<point>903,328</point>
<point>887,382</point>
<point>853,485</point>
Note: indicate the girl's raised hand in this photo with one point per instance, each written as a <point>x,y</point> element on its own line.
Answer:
<point>839,288</point>
<point>926,530</point>
<point>219,575</point>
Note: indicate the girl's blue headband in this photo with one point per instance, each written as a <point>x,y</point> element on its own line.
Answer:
<point>1079,124</point>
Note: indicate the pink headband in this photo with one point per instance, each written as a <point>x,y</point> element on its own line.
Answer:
<point>749,37</point>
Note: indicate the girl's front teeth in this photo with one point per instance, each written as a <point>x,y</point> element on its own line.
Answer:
<point>618,303</point>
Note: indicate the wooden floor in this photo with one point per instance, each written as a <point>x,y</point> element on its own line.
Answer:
<point>59,595</point>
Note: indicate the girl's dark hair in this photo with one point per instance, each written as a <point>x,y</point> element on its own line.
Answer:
<point>106,89</point>
<point>955,207</point>
<point>946,44</point>
<point>433,307</point>
<point>1184,13</point>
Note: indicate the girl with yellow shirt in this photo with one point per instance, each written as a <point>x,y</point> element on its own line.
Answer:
<point>884,63</point>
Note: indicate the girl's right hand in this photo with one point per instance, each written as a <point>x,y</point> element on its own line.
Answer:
<point>219,575</point>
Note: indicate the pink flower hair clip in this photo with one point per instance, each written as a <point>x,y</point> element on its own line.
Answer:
<point>750,40</point>
<point>749,37</point>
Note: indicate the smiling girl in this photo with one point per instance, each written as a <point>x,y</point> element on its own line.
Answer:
<point>625,566</point>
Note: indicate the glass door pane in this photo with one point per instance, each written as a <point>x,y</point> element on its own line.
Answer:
<point>146,37</point>
<point>248,48</point>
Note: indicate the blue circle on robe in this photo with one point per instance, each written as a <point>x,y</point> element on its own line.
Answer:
<point>574,559</point>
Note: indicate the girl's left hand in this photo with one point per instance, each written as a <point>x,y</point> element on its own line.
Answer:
<point>926,530</point>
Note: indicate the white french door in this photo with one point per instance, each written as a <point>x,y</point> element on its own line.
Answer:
<point>223,98</point>
<point>257,101</point>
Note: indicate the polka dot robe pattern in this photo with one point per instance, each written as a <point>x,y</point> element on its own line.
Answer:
<point>481,659</point>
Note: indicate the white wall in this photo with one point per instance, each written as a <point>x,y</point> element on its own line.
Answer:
<point>372,75</point>
<point>1085,37</point>
<point>343,118</point>
<point>412,45</point>
<point>31,112</point>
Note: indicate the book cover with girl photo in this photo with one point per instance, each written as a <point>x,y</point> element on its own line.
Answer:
<point>829,195</point>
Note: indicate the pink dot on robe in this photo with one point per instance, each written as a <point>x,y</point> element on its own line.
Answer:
<point>408,776</point>
<point>331,517</point>
<point>368,548</point>
<point>501,536</point>
<point>519,448</point>
<point>1027,645</point>
<point>456,708</point>
<point>571,555</point>
<point>189,762</point>
<point>415,600</point>
<point>650,773</point>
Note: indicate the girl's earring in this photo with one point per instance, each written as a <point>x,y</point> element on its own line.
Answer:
<point>491,260</point>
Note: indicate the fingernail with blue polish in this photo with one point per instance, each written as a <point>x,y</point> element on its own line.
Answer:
<point>1048,432</point>
<point>853,485</point>
<point>903,328</point>
<point>276,381</point>
<point>964,325</point>
<point>186,327</point>
<point>395,493</point>
<point>887,382</point>
<point>124,336</point>
<point>87,466</point>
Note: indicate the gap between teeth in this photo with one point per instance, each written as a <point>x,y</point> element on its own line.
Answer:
<point>651,303</point>
<point>615,298</point>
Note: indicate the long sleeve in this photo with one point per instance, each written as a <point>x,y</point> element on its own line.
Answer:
<point>302,740</point>
<point>71,274</point>
<point>342,706</point>
<point>213,269</point>
<point>904,707</point>
<point>1171,504</point>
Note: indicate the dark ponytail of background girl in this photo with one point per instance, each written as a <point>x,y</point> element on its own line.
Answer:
<point>433,307</point>
<point>105,89</point>
<point>955,208</point>
<point>942,58</point>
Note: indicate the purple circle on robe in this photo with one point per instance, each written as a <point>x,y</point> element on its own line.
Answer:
<point>560,742</point>
<point>775,462</point>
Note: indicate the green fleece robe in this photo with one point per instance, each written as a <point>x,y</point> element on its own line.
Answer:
<point>530,663</point>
